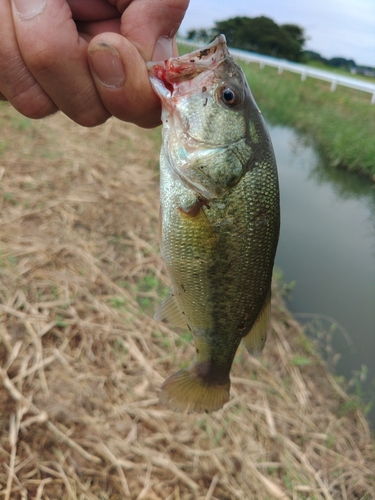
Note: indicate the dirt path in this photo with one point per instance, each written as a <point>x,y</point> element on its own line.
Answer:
<point>82,359</point>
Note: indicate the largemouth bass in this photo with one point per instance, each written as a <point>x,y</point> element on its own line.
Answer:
<point>219,218</point>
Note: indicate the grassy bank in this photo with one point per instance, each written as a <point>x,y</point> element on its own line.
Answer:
<point>82,359</point>
<point>340,124</point>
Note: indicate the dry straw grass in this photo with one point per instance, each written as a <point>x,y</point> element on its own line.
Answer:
<point>82,359</point>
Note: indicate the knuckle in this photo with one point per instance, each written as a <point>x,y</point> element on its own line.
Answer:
<point>23,92</point>
<point>42,59</point>
<point>91,119</point>
<point>31,101</point>
<point>86,108</point>
<point>33,106</point>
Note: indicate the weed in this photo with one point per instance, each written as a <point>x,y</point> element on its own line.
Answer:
<point>149,282</point>
<point>366,395</point>
<point>21,123</point>
<point>307,344</point>
<point>300,361</point>
<point>124,284</point>
<point>8,196</point>
<point>7,261</point>
<point>121,350</point>
<point>147,289</point>
<point>187,336</point>
<point>284,287</point>
<point>145,303</point>
<point>3,147</point>
<point>330,441</point>
<point>352,404</point>
<point>117,302</point>
<point>218,436</point>
<point>60,322</point>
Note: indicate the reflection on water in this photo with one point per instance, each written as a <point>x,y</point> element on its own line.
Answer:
<point>327,244</point>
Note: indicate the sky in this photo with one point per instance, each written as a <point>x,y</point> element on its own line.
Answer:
<point>344,28</point>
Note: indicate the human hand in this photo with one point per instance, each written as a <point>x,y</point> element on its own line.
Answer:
<point>85,57</point>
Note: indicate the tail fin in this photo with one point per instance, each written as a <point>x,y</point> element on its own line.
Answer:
<point>187,391</point>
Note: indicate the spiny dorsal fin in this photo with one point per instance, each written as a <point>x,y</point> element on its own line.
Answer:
<point>170,311</point>
<point>256,338</point>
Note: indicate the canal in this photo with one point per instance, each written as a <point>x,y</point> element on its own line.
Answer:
<point>327,246</point>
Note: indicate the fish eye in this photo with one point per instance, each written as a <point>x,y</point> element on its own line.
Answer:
<point>230,95</point>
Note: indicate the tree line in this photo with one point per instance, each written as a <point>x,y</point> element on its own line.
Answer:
<point>263,35</point>
<point>258,34</point>
<point>339,62</point>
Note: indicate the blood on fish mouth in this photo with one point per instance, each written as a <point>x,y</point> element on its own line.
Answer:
<point>161,72</point>
<point>174,71</point>
<point>171,72</point>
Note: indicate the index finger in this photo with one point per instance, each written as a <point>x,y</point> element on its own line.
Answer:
<point>17,85</point>
<point>56,56</point>
<point>144,22</point>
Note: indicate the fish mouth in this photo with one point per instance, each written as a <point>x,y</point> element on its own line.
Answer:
<point>167,75</point>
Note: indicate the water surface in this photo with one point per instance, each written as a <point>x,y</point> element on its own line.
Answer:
<point>327,245</point>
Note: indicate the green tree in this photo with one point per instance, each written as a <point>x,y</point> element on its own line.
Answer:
<point>296,32</point>
<point>262,34</point>
<point>191,35</point>
<point>202,35</point>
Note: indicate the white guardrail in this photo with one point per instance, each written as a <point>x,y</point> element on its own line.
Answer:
<point>302,69</point>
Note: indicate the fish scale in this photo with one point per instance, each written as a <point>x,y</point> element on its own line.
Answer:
<point>219,218</point>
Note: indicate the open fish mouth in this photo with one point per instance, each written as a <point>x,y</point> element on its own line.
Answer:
<point>168,75</point>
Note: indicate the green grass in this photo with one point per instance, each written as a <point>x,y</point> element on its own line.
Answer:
<point>340,124</point>
<point>7,261</point>
<point>339,71</point>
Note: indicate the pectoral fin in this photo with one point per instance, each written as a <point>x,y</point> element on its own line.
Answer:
<point>256,338</point>
<point>198,225</point>
<point>170,311</point>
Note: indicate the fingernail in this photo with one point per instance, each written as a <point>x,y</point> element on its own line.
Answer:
<point>163,49</point>
<point>27,9</point>
<point>107,64</point>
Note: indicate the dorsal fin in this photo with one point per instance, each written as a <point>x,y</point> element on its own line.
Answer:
<point>170,311</point>
<point>256,338</point>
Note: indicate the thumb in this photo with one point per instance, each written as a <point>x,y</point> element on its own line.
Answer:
<point>121,78</point>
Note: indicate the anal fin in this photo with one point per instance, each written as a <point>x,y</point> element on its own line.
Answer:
<point>256,338</point>
<point>170,311</point>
